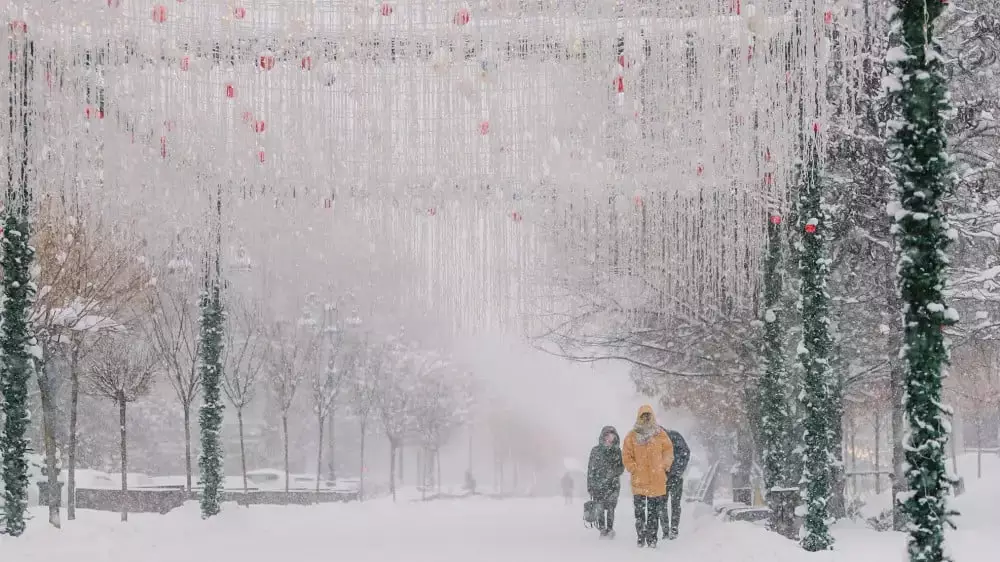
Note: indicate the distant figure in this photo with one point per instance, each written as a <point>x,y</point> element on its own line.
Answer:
<point>567,488</point>
<point>648,455</point>
<point>604,471</point>
<point>470,483</point>
<point>670,517</point>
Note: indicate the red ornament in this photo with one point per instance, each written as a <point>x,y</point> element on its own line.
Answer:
<point>114,3</point>
<point>163,147</point>
<point>749,53</point>
<point>623,63</point>
<point>516,216</point>
<point>484,128</point>
<point>816,126</point>
<point>185,63</point>
<point>159,13</point>
<point>87,111</point>
<point>775,219</point>
<point>811,228</point>
<point>230,91</point>
<point>260,156</point>
<point>239,12</point>
<point>768,179</point>
<point>767,155</point>
<point>462,17</point>
<point>19,26</point>
<point>266,62</point>
<point>735,6</point>
<point>700,169</point>
<point>620,84</point>
<point>386,9</point>
<point>307,63</point>
<point>259,126</point>
<point>828,17</point>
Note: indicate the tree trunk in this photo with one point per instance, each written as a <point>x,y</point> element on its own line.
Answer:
<point>437,461</point>
<point>899,485</point>
<point>979,446</point>
<point>332,447</point>
<point>361,478</point>
<point>46,393</point>
<point>878,451</point>
<point>187,446</point>
<point>319,452</point>
<point>400,474</point>
<point>74,402</point>
<point>392,469</point>
<point>243,450</point>
<point>284,434</point>
<point>124,453</point>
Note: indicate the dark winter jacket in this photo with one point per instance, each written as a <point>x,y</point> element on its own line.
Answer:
<point>605,468</point>
<point>682,454</point>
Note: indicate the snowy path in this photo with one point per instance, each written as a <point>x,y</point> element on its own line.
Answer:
<point>446,531</point>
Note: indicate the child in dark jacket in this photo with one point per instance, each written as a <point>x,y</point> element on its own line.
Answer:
<point>604,478</point>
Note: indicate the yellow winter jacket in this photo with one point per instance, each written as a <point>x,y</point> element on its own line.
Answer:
<point>648,458</point>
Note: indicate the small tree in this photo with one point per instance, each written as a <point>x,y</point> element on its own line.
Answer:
<point>976,384</point>
<point>173,330</point>
<point>440,403</point>
<point>364,396</point>
<point>244,358</point>
<point>394,393</point>
<point>122,371</point>
<point>293,350</point>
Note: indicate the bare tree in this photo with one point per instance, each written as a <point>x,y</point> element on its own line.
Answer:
<point>91,277</point>
<point>173,330</point>
<point>292,354</point>
<point>328,381</point>
<point>122,372</point>
<point>364,393</point>
<point>976,385</point>
<point>394,393</point>
<point>244,357</point>
<point>440,403</point>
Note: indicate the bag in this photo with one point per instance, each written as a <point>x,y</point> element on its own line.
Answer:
<point>591,512</point>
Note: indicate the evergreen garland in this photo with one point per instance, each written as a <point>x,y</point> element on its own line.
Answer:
<point>917,153</point>
<point>17,346</point>
<point>775,416</point>
<point>210,416</point>
<point>813,352</point>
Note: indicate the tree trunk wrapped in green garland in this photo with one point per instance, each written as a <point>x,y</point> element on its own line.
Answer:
<point>210,418</point>
<point>813,353</point>
<point>917,153</point>
<point>775,415</point>
<point>18,347</point>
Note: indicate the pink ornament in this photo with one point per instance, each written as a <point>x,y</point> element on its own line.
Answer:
<point>185,63</point>
<point>159,13</point>
<point>828,17</point>
<point>230,91</point>
<point>816,126</point>
<point>328,203</point>
<point>768,179</point>
<point>18,26</point>
<point>484,128</point>
<point>266,62</point>
<point>247,116</point>
<point>239,12</point>
<point>775,219</point>
<point>114,3</point>
<point>700,169</point>
<point>622,62</point>
<point>638,200</point>
<point>811,228</point>
<point>259,126</point>
<point>432,211</point>
<point>767,155</point>
<point>163,147</point>
<point>620,84</point>
<point>260,156</point>
<point>516,216</point>
<point>386,9</point>
<point>307,63</point>
<point>462,17</point>
<point>735,6</point>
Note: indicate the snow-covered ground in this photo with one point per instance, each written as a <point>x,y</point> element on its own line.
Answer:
<point>478,529</point>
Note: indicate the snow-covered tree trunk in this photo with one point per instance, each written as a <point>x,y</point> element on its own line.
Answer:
<point>210,417</point>
<point>917,151</point>
<point>813,353</point>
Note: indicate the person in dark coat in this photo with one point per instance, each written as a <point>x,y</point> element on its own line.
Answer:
<point>670,517</point>
<point>604,471</point>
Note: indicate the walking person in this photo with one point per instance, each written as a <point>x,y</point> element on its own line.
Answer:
<point>567,488</point>
<point>604,471</point>
<point>648,454</point>
<point>670,517</point>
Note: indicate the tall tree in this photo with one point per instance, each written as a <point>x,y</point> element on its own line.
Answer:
<point>210,417</point>
<point>813,353</point>
<point>18,347</point>
<point>922,166</point>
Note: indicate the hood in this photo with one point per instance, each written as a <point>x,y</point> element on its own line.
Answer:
<point>606,430</point>
<point>646,409</point>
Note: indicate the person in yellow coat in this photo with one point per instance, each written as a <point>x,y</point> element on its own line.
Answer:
<point>648,455</point>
